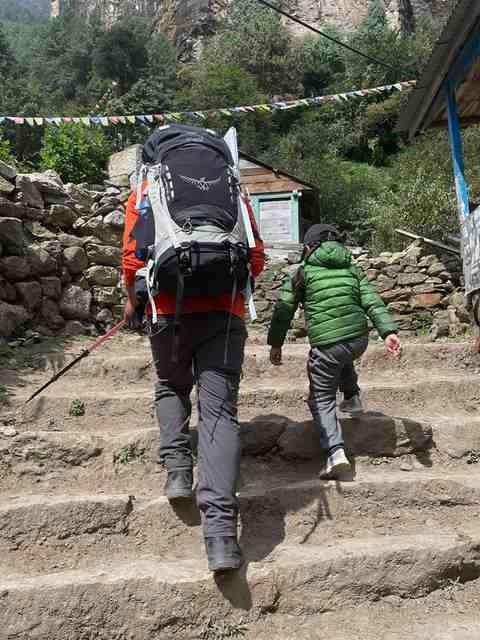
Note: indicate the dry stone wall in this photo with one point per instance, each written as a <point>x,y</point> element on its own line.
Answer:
<point>422,290</point>
<point>60,255</point>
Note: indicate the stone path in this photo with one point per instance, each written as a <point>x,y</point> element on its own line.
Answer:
<point>90,548</point>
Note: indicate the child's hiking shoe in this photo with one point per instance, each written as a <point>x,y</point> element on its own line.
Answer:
<point>353,406</point>
<point>179,484</point>
<point>337,466</point>
<point>223,553</point>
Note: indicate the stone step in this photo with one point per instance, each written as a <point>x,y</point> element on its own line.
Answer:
<point>151,597</point>
<point>416,442</point>
<point>435,396</point>
<point>41,533</point>
<point>135,364</point>
<point>39,453</point>
<point>450,613</point>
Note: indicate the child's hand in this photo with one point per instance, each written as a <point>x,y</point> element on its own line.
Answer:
<point>392,342</point>
<point>276,356</point>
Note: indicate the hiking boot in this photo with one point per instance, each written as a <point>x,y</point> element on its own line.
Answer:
<point>223,553</point>
<point>337,465</point>
<point>353,406</point>
<point>179,484</point>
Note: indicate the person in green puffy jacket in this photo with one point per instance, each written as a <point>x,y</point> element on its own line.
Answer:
<point>337,299</point>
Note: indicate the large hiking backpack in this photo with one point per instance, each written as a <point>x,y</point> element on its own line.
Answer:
<point>190,232</point>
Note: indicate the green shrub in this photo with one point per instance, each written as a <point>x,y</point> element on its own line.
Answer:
<point>5,150</point>
<point>77,152</point>
<point>77,408</point>
<point>130,453</point>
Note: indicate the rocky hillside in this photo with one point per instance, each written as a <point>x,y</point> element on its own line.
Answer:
<point>188,21</point>
<point>24,10</point>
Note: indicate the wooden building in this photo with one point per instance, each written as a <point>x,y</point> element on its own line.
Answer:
<point>283,204</point>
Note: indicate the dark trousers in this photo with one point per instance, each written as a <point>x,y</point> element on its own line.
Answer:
<point>201,361</point>
<point>329,369</point>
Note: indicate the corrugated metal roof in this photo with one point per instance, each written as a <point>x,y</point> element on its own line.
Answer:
<point>426,105</point>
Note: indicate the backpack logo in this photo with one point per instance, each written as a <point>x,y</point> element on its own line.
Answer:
<point>203,184</point>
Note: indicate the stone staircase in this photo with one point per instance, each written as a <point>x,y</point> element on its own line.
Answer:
<point>90,548</point>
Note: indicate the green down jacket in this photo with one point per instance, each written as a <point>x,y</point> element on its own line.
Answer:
<point>337,298</point>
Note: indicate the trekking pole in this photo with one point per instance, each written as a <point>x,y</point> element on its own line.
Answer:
<point>85,352</point>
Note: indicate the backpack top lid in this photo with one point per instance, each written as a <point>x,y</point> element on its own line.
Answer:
<point>168,136</point>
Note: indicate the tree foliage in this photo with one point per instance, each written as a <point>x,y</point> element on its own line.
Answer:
<point>368,181</point>
<point>77,152</point>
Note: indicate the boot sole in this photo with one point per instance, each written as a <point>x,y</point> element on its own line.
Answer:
<point>225,565</point>
<point>179,495</point>
<point>338,470</point>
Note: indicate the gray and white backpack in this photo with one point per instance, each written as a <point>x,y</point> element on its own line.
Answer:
<point>191,231</point>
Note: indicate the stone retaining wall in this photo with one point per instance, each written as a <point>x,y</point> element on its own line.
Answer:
<point>422,290</point>
<point>60,264</point>
<point>59,254</point>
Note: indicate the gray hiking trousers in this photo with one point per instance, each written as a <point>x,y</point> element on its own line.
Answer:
<point>201,361</point>
<point>331,368</point>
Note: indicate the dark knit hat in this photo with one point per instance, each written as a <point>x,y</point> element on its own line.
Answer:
<point>319,233</point>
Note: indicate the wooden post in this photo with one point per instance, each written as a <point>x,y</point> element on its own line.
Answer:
<point>456,146</point>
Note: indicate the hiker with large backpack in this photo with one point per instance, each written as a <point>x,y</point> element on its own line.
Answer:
<point>186,250</point>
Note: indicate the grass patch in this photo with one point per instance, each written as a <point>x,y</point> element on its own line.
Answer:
<point>77,408</point>
<point>39,457</point>
<point>15,358</point>
<point>130,453</point>
<point>214,630</point>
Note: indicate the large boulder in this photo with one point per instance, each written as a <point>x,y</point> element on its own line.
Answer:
<point>426,300</point>
<point>39,232</point>
<point>9,209</point>
<point>41,261</point>
<point>61,216</point>
<point>51,187</point>
<point>75,303</point>
<point>103,276</point>
<point>67,240</point>
<point>11,235</point>
<point>82,199</point>
<point>6,187</point>
<point>51,314</point>
<point>104,317</point>
<point>106,295</point>
<point>12,317</point>
<point>75,259</point>
<point>51,287</point>
<point>74,328</point>
<point>115,219</point>
<point>106,207</point>
<point>7,171</point>
<point>409,279</point>
<point>48,182</point>
<point>30,294</point>
<point>14,268</point>
<point>29,194</point>
<point>104,255</point>
<point>7,291</point>
<point>123,164</point>
<point>96,227</point>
